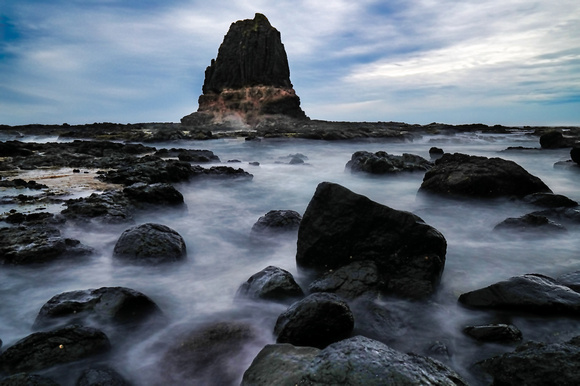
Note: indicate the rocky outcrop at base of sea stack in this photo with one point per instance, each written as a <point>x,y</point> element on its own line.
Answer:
<point>249,81</point>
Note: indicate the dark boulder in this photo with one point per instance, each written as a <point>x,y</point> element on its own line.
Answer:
<point>575,154</point>
<point>189,155</point>
<point>150,170</point>
<point>340,227</point>
<point>208,355</point>
<point>350,281</point>
<point>279,364</point>
<point>275,222</point>
<point>533,224</point>
<point>42,350</point>
<point>564,215</point>
<point>528,293</point>
<point>316,321</point>
<point>436,152</point>
<point>110,207</point>
<point>550,200</point>
<point>473,176</point>
<point>383,163</point>
<point>537,364</point>
<point>271,283</point>
<point>555,139</point>
<point>223,172</point>
<point>503,333</point>
<point>14,149</point>
<point>150,244</point>
<point>154,194</point>
<point>26,379</point>
<point>38,244</point>
<point>363,361</point>
<point>101,377</point>
<point>106,305</point>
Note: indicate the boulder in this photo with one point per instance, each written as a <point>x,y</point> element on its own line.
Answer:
<point>537,364</point>
<point>473,176</point>
<point>503,333</point>
<point>38,244</point>
<point>150,244</point>
<point>279,364</point>
<point>363,361</point>
<point>189,155</point>
<point>275,222</point>
<point>550,200</point>
<point>106,305</point>
<point>316,321</point>
<point>533,224</point>
<point>150,170</point>
<point>340,227</point>
<point>383,163</point>
<point>160,194</point>
<point>532,293</point>
<point>436,153</point>
<point>564,215</point>
<point>351,281</point>
<point>26,379</point>
<point>110,207</point>
<point>101,377</point>
<point>271,283</point>
<point>575,154</point>
<point>555,139</point>
<point>42,350</point>
<point>208,355</point>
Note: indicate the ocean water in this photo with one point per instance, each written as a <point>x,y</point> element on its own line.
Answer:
<point>220,214</point>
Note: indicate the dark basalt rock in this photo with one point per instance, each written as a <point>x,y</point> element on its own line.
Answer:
<point>550,200</point>
<point>26,379</point>
<point>20,183</point>
<point>575,154</point>
<point>271,283</point>
<point>537,364</point>
<point>276,221</point>
<point>436,152</point>
<point>38,244</point>
<point>316,321</point>
<point>383,163</point>
<point>279,364</point>
<point>350,281</point>
<point>555,140</point>
<point>150,170</point>
<point>42,350</point>
<point>363,361</point>
<point>160,194</point>
<point>110,207</point>
<point>189,155</point>
<point>340,227</point>
<point>530,223</point>
<point>209,355</point>
<point>150,244</point>
<point>101,377</point>
<point>532,293</point>
<point>473,176</point>
<point>504,333</point>
<point>106,305</point>
<point>564,215</point>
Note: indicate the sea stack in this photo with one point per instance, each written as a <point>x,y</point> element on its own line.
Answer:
<point>249,81</point>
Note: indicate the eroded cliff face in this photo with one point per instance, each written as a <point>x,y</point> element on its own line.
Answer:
<point>249,80</point>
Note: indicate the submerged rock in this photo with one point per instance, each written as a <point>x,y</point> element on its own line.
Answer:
<point>42,350</point>
<point>150,244</point>
<point>271,283</point>
<point>154,194</point>
<point>38,244</point>
<point>316,321</point>
<point>531,223</point>
<point>340,227</point>
<point>383,163</point>
<point>473,176</point>
<point>116,305</point>
<point>537,364</point>
<point>550,200</point>
<point>505,333</point>
<point>275,222</point>
<point>529,293</point>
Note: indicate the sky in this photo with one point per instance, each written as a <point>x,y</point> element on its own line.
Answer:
<point>509,62</point>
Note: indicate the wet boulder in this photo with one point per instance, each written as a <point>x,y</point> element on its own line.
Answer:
<point>351,281</point>
<point>436,153</point>
<point>473,176</point>
<point>564,215</point>
<point>42,350</point>
<point>106,305</point>
<point>150,170</point>
<point>550,200</point>
<point>160,194</point>
<point>38,244</point>
<point>575,154</point>
<point>502,333</point>
<point>279,364</point>
<point>271,283</point>
<point>533,293</point>
<point>275,222</point>
<point>316,321</point>
<point>363,361</point>
<point>340,227</point>
<point>212,354</point>
<point>537,364</point>
<point>150,244</point>
<point>555,140</point>
<point>382,163</point>
<point>110,207</point>
<point>533,224</point>
<point>101,377</point>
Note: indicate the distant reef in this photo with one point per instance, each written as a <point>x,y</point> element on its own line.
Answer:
<point>249,81</point>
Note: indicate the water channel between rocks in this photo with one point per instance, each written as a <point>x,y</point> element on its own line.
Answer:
<point>220,214</point>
